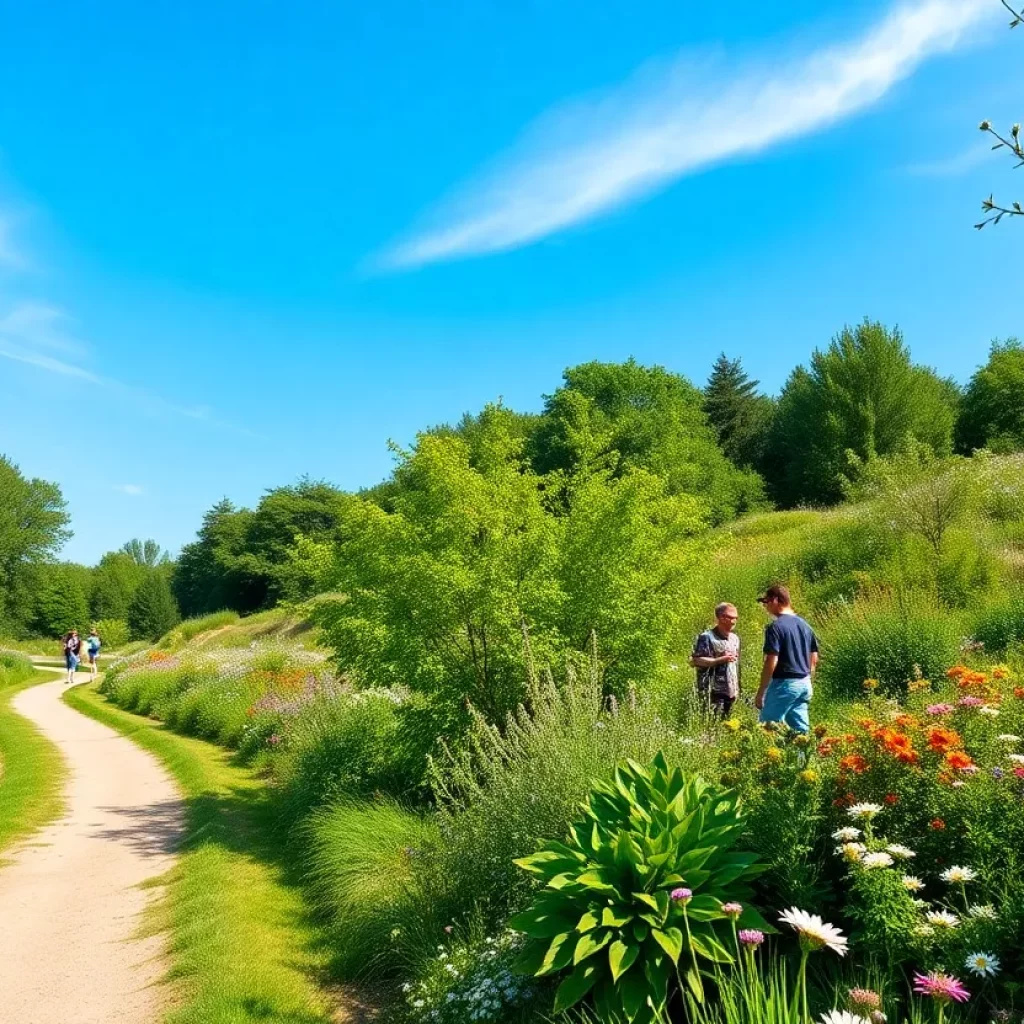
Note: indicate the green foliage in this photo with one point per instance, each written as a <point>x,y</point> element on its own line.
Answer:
<point>33,525</point>
<point>622,416</point>
<point>114,633</point>
<point>362,863</point>
<point>737,412</point>
<point>607,911</point>
<point>189,629</point>
<point>62,600</point>
<point>145,553</point>
<point>992,409</point>
<point>153,610</point>
<point>14,668</point>
<point>892,640</point>
<point>115,580</point>
<point>999,624</point>
<point>864,395</point>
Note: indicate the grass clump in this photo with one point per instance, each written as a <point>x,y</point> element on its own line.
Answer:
<point>243,947</point>
<point>31,769</point>
<point>189,629</point>
<point>1000,624</point>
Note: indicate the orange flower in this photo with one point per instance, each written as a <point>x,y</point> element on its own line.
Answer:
<point>1018,692</point>
<point>941,739</point>
<point>937,824</point>
<point>956,671</point>
<point>853,763</point>
<point>958,760</point>
<point>848,737</point>
<point>891,798</point>
<point>1000,672</point>
<point>907,722</point>
<point>866,723</point>
<point>908,757</point>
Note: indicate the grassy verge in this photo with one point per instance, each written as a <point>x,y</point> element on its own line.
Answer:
<point>243,949</point>
<point>31,770</point>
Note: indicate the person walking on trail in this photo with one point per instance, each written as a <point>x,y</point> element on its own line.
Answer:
<point>93,643</point>
<point>790,661</point>
<point>72,650</point>
<point>716,657</point>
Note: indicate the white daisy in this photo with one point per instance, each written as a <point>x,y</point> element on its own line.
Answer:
<point>877,860</point>
<point>849,834</point>
<point>957,875</point>
<point>985,965</point>
<point>1008,737</point>
<point>864,812</point>
<point>942,919</point>
<point>983,912</point>
<point>852,851</point>
<point>841,1017</point>
<point>989,710</point>
<point>814,932</point>
<point>912,883</point>
<point>1017,758</point>
<point>901,852</point>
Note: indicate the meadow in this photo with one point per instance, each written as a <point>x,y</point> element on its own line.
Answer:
<point>601,850</point>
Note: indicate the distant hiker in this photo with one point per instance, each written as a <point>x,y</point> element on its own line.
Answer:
<point>790,660</point>
<point>93,643</point>
<point>716,657</point>
<point>72,647</point>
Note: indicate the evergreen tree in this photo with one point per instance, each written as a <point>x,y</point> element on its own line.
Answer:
<point>738,412</point>
<point>153,610</point>
<point>992,409</point>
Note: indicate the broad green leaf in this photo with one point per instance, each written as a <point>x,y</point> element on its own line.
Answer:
<point>693,980</point>
<point>614,918</point>
<point>621,957</point>
<point>529,961</point>
<point>559,954</point>
<point>633,991</point>
<point>670,940</point>
<point>590,943</point>
<point>640,930</point>
<point>709,947</point>
<point>542,925</point>
<point>646,898</point>
<point>576,986</point>
<point>587,922</point>
<point>596,879</point>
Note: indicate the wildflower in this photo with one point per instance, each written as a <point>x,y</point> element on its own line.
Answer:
<point>877,860</point>
<point>773,754</point>
<point>942,740</point>
<point>943,987</point>
<point>808,775</point>
<point>864,998</point>
<point>939,709</point>
<point>900,851</point>
<point>982,912</point>
<point>732,724</point>
<point>942,919</point>
<point>1000,672</point>
<point>912,883</point>
<point>1018,692</point>
<point>1008,737</point>
<point>891,798</point>
<point>960,761</point>
<point>1016,758</point>
<point>732,910</point>
<point>814,932</point>
<point>853,763</point>
<point>750,937</point>
<point>997,773</point>
<point>984,965</point>
<point>958,875</point>
<point>870,685</point>
<point>864,811</point>
<point>820,731</point>
<point>682,896</point>
<point>841,1017</point>
<point>937,825</point>
<point>1019,772</point>
<point>987,709</point>
<point>849,834</point>
<point>852,851</point>
<point>970,702</point>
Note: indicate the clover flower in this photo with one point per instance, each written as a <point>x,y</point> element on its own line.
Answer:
<point>877,860</point>
<point>682,896</point>
<point>939,709</point>
<point>958,875</point>
<point>970,702</point>
<point>942,919</point>
<point>750,937</point>
<point>865,998</point>
<point>732,910</point>
<point>864,812</point>
<point>943,987</point>
<point>984,965</point>
<point>814,932</point>
<point>900,852</point>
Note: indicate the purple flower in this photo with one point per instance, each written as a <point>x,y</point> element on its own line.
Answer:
<point>943,987</point>
<point>750,937</point>
<point>939,709</point>
<point>681,896</point>
<point>997,773</point>
<point>970,702</point>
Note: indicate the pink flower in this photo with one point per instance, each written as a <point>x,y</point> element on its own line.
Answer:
<point>970,702</point>
<point>939,709</point>
<point>732,909</point>
<point>750,937</point>
<point>681,896</point>
<point>943,987</point>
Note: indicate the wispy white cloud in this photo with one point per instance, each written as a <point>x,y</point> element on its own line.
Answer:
<point>583,160</point>
<point>132,490</point>
<point>953,166</point>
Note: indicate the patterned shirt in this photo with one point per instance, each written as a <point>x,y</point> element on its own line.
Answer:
<point>722,680</point>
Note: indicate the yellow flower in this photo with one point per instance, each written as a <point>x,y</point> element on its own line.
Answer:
<point>801,740</point>
<point>729,756</point>
<point>808,775</point>
<point>773,754</point>
<point>732,724</point>
<point>870,684</point>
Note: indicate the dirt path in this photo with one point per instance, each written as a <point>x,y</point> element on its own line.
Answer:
<point>70,897</point>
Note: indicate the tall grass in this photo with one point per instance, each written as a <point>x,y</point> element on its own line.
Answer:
<point>189,629</point>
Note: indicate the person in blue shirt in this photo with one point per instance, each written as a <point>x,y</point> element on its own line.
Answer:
<point>93,645</point>
<point>790,661</point>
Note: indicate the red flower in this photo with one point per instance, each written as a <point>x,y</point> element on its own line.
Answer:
<point>891,798</point>
<point>853,763</point>
<point>958,760</point>
<point>937,824</point>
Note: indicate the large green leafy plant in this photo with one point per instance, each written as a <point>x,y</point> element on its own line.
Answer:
<point>635,894</point>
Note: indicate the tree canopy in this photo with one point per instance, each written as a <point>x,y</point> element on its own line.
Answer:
<point>992,409</point>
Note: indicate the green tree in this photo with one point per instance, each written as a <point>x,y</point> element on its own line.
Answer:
<point>62,599</point>
<point>145,552</point>
<point>739,414</point>
<point>862,396</point>
<point>115,579</point>
<point>623,416</point>
<point>153,610</point>
<point>33,525</point>
<point>992,410</point>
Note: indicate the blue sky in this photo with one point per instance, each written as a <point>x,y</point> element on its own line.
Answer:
<point>246,241</point>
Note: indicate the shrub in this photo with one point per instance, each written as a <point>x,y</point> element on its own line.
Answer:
<point>114,633</point>
<point>644,875</point>
<point>363,868</point>
<point>1000,625</point>
<point>891,640</point>
<point>14,668</point>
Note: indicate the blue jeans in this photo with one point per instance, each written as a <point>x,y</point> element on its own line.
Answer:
<point>786,701</point>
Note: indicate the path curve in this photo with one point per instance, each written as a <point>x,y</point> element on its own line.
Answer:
<point>70,895</point>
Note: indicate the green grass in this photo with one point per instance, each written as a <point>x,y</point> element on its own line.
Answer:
<point>243,948</point>
<point>31,769</point>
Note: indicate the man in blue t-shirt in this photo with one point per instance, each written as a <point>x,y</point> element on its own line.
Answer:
<point>790,659</point>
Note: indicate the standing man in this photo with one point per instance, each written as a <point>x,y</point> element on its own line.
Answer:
<point>72,647</point>
<point>790,660</point>
<point>716,657</point>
